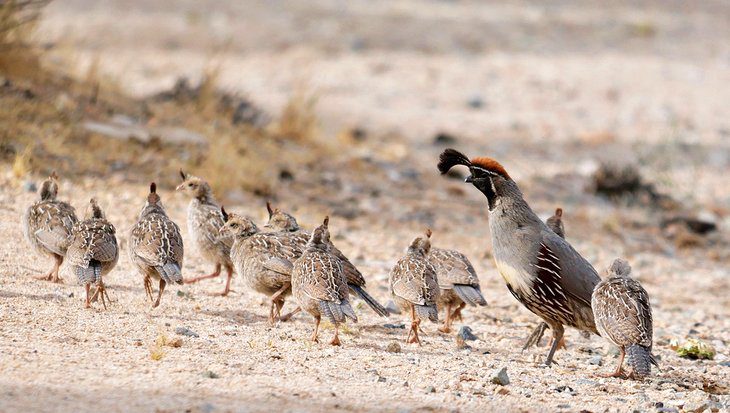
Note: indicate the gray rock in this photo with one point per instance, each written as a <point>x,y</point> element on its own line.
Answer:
<point>388,325</point>
<point>466,334</point>
<point>475,102</point>
<point>430,389</point>
<point>696,406</point>
<point>500,377</point>
<point>211,374</point>
<point>667,410</point>
<point>30,186</point>
<point>596,360</point>
<point>184,331</point>
<point>392,308</point>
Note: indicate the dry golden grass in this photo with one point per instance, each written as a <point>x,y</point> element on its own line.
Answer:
<point>18,55</point>
<point>299,120</point>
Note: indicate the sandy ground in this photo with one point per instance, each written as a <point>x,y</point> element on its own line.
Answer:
<point>552,108</point>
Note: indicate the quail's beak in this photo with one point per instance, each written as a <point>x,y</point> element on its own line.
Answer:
<point>180,187</point>
<point>469,179</point>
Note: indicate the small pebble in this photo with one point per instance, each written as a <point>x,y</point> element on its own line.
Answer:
<point>394,325</point>
<point>500,377</point>
<point>392,308</point>
<point>184,331</point>
<point>466,334</point>
<point>30,186</point>
<point>393,347</point>
<point>596,360</point>
<point>430,389</point>
<point>210,374</point>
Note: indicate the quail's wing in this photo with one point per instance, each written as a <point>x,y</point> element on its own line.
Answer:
<point>92,239</point>
<point>409,281</point>
<point>616,312</point>
<point>324,276</point>
<point>576,276</point>
<point>278,264</point>
<point>352,274</point>
<point>157,241</point>
<point>636,309</point>
<point>53,224</point>
<point>211,226</point>
<point>452,267</point>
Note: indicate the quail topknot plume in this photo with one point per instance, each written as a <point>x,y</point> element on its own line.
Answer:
<point>264,260</point>
<point>414,286</point>
<point>285,222</point>
<point>156,246</point>
<point>204,223</point>
<point>458,282</point>
<point>93,251</point>
<point>319,284</point>
<point>47,226</point>
<point>540,268</point>
<point>623,316</point>
<point>555,223</point>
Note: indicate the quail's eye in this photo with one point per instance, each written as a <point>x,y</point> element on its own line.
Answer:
<point>190,185</point>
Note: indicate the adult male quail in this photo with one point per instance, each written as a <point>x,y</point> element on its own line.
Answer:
<point>156,246</point>
<point>319,284</point>
<point>284,222</point>
<point>47,226</point>
<point>93,251</point>
<point>540,269</point>
<point>458,283</point>
<point>414,286</point>
<point>623,316</point>
<point>204,223</point>
<point>263,259</point>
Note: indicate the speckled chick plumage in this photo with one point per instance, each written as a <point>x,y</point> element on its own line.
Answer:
<point>204,223</point>
<point>318,281</point>
<point>156,245</point>
<point>47,225</point>
<point>413,280</point>
<point>280,221</point>
<point>263,259</point>
<point>94,250</point>
<point>623,316</point>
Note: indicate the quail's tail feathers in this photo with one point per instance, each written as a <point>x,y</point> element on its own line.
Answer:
<point>337,312</point>
<point>470,294</point>
<point>640,359</point>
<point>171,273</point>
<point>90,274</point>
<point>427,311</point>
<point>376,306</point>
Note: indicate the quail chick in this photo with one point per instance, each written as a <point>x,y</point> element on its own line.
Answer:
<point>263,259</point>
<point>319,284</point>
<point>156,246</point>
<point>93,251</point>
<point>555,223</point>
<point>283,222</point>
<point>458,283</point>
<point>414,285</point>
<point>541,270</point>
<point>623,316</point>
<point>204,223</point>
<point>47,226</point>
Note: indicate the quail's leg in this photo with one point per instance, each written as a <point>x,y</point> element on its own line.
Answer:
<point>535,336</point>
<point>286,317</point>
<point>159,293</point>
<point>279,305</point>
<point>280,291</point>
<point>336,339</point>
<point>619,370</point>
<point>457,312</point>
<point>272,313</point>
<point>45,277</point>
<point>88,302</point>
<point>214,274</point>
<point>316,329</point>
<point>446,328</point>
<point>101,290</point>
<point>57,269</point>
<point>229,275</point>
<point>558,331</point>
<point>148,287</point>
<point>414,327</point>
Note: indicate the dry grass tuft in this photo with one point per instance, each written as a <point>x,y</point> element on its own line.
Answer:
<point>299,120</point>
<point>21,163</point>
<point>18,56</point>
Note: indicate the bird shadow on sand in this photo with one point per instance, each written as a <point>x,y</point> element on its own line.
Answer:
<point>237,316</point>
<point>42,297</point>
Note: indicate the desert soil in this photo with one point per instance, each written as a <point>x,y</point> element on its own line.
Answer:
<point>561,89</point>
